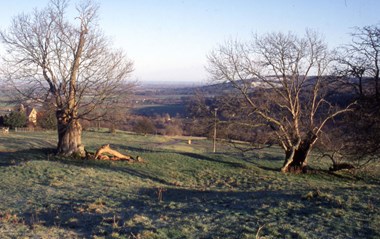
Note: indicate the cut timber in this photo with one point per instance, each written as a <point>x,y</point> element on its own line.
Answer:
<point>341,166</point>
<point>106,149</point>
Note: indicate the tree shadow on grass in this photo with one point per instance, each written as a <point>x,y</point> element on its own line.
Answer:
<point>187,154</point>
<point>234,211</point>
<point>8,159</point>
<point>143,175</point>
<point>218,214</point>
<point>144,211</point>
<point>72,216</point>
<point>263,161</point>
<point>19,150</point>
<point>22,156</point>
<point>210,159</point>
<point>223,214</point>
<point>111,166</point>
<point>273,169</point>
<point>245,209</point>
<point>15,143</point>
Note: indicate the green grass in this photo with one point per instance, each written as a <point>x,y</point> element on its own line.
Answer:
<point>205,195</point>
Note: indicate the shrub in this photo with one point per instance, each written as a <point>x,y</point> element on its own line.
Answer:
<point>144,126</point>
<point>173,130</point>
<point>47,119</point>
<point>15,119</point>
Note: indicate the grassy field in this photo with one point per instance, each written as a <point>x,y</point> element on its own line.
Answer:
<point>151,110</point>
<point>204,195</point>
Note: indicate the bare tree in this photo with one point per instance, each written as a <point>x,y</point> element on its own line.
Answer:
<point>360,61</point>
<point>289,74</point>
<point>71,62</point>
<point>358,66</point>
<point>360,148</point>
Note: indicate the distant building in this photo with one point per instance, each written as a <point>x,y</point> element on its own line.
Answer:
<point>31,113</point>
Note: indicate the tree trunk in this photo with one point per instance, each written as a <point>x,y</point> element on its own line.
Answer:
<point>297,162</point>
<point>69,136</point>
<point>69,128</point>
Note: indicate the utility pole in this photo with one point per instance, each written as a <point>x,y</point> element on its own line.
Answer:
<point>215,121</point>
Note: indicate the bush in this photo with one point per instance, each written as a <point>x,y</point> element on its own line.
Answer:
<point>144,126</point>
<point>173,130</point>
<point>15,119</point>
<point>47,119</point>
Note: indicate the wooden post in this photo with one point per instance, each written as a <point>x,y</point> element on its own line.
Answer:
<point>214,139</point>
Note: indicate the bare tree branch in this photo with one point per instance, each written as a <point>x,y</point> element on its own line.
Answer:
<point>288,70</point>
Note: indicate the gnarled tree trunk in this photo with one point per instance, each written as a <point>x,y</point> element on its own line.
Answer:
<point>297,162</point>
<point>69,136</point>
<point>69,128</point>
<point>296,159</point>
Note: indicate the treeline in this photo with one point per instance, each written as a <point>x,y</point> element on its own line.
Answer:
<point>158,124</point>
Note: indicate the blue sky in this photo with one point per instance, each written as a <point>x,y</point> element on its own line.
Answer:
<point>169,39</point>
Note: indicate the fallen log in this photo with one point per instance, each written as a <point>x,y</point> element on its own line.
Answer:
<point>341,166</point>
<point>106,149</point>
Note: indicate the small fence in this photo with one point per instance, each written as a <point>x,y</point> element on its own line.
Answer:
<point>27,129</point>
